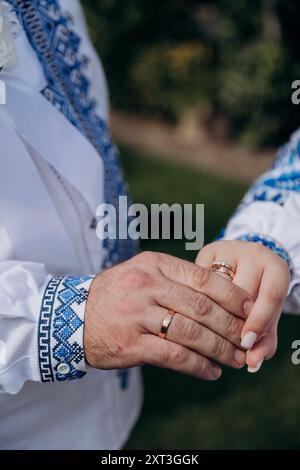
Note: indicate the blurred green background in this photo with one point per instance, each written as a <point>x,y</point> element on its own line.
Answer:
<point>205,63</point>
<point>173,57</point>
<point>241,410</point>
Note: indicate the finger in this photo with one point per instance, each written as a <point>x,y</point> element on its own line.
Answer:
<point>200,339</point>
<point>205,257</point>
<point>200,308</point>
<point>222,291</point>
<point>161,353</point>
<point>248,276</point>
<point>263,350</point>
<point>213,252</point>
<point>268,306</point>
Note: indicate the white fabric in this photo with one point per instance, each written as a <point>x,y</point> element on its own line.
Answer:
<point>279,218</point>
<point>45,231</point>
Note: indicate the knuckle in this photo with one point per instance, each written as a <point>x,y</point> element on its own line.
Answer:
<point>136,278</point>
<point>201,277</point>
<point>283,264</point>
<point>230,293</point>
<point>190,331</point>
<point>218,346</point>
<point>148,257</point>
<point>198,371</point>
<point>178,356</point>
<point>200,367</point>
<point>175,356</point>
<point>259,248</point>
<point>177,326</point>
<point>204,251</point>
<point>232,325</point>
<point>203,305</point>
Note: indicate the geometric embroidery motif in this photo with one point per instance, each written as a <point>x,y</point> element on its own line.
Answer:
<point>289,181</point>
<point>281,179</point>
<point>44,339</point>
<point>66,322</point>
<point>265,194</point>
<point>57,46</point>
<point>60,328</point>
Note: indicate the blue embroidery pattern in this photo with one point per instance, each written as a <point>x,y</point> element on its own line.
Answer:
<point>44,336</point>
<point>287,155</point>
<point>61,326</point>
<point>271,244</point>
<point>289,181</point>
<point>265,194</point>
<point>57,46</point>
<point>124,375</point>
<point>283,178</point>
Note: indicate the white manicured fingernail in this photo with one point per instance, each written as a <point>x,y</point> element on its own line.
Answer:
<point>255,369</point>
<point>248,340</point>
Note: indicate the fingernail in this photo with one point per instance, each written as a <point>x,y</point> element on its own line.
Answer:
<point>217,372</point>
<point>248,305</point>
<point>239,356</point>
<point>255,369</point>
<point>248,340</point>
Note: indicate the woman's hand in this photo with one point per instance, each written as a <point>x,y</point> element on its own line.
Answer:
<point>266,277</point>
<point>128,303</point>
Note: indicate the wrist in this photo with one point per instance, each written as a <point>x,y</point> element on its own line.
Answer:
<point>90,342</point>
<point>270,243</point>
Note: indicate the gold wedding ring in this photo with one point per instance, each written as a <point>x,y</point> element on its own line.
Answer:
<point>166,323</point>
<point>222,267</point>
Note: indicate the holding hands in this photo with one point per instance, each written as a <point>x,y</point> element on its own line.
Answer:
<point>128,304</point>
<point>206,318</point>
<point>266,277</point>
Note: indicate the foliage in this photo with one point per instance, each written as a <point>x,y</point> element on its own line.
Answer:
<point>234,59</point>
<point>168,78</point>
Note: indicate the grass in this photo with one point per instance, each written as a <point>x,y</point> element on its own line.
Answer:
<point>241,410</point>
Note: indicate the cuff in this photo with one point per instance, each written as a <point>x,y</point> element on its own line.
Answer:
<point>60,331</point>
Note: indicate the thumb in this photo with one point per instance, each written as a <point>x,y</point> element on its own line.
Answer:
<point>267,308</point>
<point>264,349</point>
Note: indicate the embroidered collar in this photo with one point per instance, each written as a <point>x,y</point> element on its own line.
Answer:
<point>57,46</point>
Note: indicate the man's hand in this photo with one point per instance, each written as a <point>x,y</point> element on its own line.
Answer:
<point>266,277</point>
<point>127,304</point>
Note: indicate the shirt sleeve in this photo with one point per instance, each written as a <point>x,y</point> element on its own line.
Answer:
<point>41,325</point>
<point>269,214</point>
